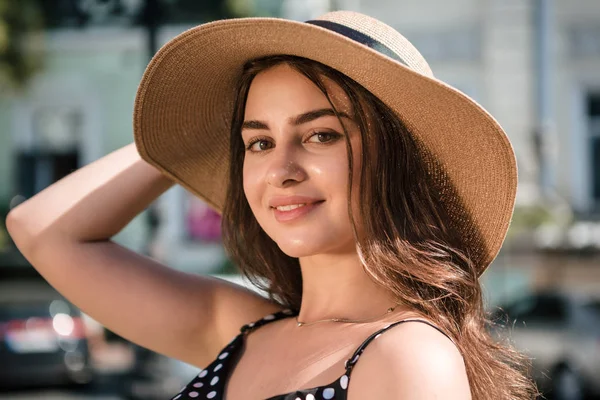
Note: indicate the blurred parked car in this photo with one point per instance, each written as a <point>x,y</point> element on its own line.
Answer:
<point>42,336</point>
<point>561,332</point>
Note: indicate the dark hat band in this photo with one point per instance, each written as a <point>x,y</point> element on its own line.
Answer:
<point>359,37</point>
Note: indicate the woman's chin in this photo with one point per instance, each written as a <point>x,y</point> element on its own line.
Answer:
<point>296,250</point>
<point>295,253</point>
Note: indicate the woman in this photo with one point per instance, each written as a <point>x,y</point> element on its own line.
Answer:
<point>364,195</point>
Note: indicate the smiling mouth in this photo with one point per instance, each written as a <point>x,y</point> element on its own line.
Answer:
<point>294,211</point>
<point>290,207</point>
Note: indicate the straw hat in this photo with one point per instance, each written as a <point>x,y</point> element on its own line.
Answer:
<point>185,102</point>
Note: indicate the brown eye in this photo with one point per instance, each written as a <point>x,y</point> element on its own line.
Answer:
<point>259,145</point>
<point>324,137</point>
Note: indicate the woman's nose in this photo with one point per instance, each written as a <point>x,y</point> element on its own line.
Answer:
<point>284,169</point>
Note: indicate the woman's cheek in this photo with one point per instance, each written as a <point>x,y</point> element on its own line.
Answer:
<point>251,189</point>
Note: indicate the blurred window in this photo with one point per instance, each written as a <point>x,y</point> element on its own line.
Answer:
<point>542,309</point>
<point>585,41</point>
<point>593,111</point>
<point>462,44</point>
<point>55,153</point>
<point>37,170</point>
<point>586,318</point>
<point>593,307</point>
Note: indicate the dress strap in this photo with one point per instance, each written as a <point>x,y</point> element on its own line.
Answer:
<point>351,362</point>
<point>267,319</point>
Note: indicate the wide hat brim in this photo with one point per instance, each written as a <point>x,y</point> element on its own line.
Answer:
<point>185,101</point>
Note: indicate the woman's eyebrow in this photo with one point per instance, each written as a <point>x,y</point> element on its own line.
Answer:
<point>254,125</point>
<point>298,119</point>
<point>315,114</point>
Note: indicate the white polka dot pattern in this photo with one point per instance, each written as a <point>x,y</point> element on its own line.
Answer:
<point>344,382</point>
<point>211,385</point>
<point>210,382</point>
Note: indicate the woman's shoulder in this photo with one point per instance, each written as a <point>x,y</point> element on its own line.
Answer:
<point>412,359</point>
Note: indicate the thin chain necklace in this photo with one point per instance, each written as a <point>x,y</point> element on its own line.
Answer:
<point>343,320</point>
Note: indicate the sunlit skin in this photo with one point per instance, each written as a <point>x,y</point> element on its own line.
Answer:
<point>292,151</point>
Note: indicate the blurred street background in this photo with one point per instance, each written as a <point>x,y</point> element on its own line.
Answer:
<point>69,70</point>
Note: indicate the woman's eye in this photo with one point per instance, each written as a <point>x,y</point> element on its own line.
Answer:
<point>323,137</point>
<point>259,145</point>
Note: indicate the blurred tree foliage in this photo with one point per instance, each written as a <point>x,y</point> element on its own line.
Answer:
<point>20,19</point>
<point>19,60</point>
<point>531,217</point>
<point>61,13</point>
<point>194,11</point>
<point>255,8</point>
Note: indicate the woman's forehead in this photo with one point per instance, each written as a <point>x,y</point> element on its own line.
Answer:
<point>279,84</point>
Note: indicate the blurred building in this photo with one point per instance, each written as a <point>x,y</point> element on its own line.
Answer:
<point>534,64</point>
<point>73,112</point>
<point>80,106</point>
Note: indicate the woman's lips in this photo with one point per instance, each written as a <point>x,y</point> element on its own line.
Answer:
<point>296,213</point>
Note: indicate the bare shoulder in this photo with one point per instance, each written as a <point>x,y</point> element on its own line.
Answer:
<point>211,308</point>
<point>412,360</point>
<point>237,305</point>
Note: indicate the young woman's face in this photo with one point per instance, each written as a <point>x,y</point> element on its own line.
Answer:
<point>296,166</point>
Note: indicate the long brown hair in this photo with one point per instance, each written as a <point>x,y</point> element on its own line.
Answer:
<point>406,243</point>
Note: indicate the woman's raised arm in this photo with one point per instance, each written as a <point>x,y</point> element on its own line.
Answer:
<point>65,231</point>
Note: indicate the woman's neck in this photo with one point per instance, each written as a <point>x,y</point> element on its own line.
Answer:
<point>338,287</point>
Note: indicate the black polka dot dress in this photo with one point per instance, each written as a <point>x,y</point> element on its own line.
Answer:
<point>210,382</point>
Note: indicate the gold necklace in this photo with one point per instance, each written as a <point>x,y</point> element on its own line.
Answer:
<point>343,320</point>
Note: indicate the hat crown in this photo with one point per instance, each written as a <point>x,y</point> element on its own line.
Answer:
<point>383,35</point>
